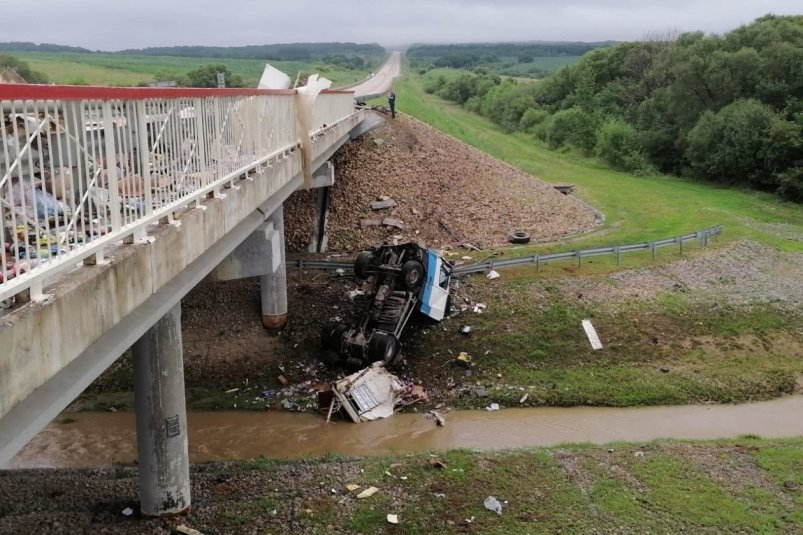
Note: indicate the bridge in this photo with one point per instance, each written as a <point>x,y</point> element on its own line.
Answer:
<point>115,203</point>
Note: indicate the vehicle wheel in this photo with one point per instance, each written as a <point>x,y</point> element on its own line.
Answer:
<point>330,358</point>
<point>332,336</point>
<point>364,259</point>
<point>382,347</point>
<point>518,236</point>
<point>412,273</point>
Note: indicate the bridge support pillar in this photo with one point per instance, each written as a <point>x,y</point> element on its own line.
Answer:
<point>274,284</point>
<point>164,469</point>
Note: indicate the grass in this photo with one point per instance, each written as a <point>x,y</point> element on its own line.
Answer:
<point>636,208</point>
<point>125,70</point>
<point>661,487</point>
<point>674,349</point>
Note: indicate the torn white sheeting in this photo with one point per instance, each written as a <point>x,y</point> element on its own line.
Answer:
<point>591,332</point>
<point>273,78</point>
<point>369,394</point>
<point>493,275</point>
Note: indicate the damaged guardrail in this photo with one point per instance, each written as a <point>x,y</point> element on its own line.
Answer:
<point>701,236</point>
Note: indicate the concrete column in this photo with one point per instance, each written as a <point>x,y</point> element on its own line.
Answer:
<point>164,469</point>
<point>274,283</point>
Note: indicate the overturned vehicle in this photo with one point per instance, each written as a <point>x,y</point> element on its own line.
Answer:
<point>398,281</point>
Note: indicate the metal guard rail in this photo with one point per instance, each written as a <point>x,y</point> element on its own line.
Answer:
<point>702,236</point>
<point>83,168</point>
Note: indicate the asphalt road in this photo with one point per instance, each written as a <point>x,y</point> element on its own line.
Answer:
<point>382,80</point>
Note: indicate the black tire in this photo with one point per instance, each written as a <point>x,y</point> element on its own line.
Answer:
<point>382,347</point>
<point>330,358</point>
<point>332,336</point>
<point>518,236</point>
<point>412,274</point>
<point>364,259</point>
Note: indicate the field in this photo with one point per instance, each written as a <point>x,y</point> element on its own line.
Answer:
<point>113,69</point>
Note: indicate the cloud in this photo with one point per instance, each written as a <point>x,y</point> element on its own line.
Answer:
<point>100,24</point>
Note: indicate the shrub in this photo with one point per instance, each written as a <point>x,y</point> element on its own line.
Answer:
<point>619,146</point>
<point>532,118</point>
<point>575,127</point>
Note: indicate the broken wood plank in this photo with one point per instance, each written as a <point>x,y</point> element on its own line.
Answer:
<point>384,205</point>
<point>393,222</point>
<point>365,223</point>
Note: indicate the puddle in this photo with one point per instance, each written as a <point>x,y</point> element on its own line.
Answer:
<point>95,439</point>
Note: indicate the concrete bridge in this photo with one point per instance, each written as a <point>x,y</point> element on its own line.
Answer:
<point>114,203</point>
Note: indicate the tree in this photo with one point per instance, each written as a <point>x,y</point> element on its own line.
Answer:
<point>206,76</point>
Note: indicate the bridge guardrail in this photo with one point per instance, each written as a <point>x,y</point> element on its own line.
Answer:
<point>702,236</point>
<point>82,168</point>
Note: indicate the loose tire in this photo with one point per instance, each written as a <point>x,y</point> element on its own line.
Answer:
<point>412,274</point>
<point>518,236</point>
<point>382,347</point>
<point>364,259</point>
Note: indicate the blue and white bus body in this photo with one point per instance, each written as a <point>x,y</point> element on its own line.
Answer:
<point>435,292</point>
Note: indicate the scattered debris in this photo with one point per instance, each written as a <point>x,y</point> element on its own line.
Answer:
<point>436,462</point>
<point>465,330</point>
<point>440,495</point>
<point>355,293</point>
<point>128,511</point>
<point>492,407</point>
<point>639,454</point>
<point>664,370</point>
<point>393,222</point>
<point>367,493</point>
<point>439,419</point>
<point>351,487</point>
<point>524,398</point>
<point>231,391</point>
<point>365,223</point>
<point>282,379</point>
<point>470,520</point>
<point>369,394</point>
<point>479,308</point>
<point>393,519</point>
<point>187,530</point>
<point>384,204</point>
<point>493,274</point>
<point>591,332</point>
<point>463,359</point>
<point>480,392</point>
<point>492,504</point>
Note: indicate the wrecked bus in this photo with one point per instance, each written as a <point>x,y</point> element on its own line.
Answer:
<point>398,281</point>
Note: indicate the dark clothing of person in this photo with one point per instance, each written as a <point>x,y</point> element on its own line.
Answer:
<point>392,104</point>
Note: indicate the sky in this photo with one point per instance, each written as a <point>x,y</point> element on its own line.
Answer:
<point>111,25</point>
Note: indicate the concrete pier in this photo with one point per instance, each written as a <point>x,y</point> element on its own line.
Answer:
<point>274,284</point>
<point>164,470</point>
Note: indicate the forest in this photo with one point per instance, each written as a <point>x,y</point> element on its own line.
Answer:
<point>727,108</point>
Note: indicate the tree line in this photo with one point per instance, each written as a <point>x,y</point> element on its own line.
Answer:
<point>725,108</point>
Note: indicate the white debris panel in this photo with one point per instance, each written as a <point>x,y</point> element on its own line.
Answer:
<point>591,332</point>
<point>369,394</point>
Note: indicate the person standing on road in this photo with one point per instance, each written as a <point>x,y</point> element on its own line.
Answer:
<point>392,103</point>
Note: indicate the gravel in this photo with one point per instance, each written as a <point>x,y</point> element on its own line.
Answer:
<point>447,192</point>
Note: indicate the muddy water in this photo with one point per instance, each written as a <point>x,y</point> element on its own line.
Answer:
<point>106,438</point>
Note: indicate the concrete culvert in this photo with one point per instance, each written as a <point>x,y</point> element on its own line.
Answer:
<point>518,236</point>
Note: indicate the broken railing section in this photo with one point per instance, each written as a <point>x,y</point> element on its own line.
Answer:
<point>84,168</point>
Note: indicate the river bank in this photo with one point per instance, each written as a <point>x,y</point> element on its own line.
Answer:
<point>746,485</point>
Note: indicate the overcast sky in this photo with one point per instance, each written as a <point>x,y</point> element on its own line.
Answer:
<point>113,25</point>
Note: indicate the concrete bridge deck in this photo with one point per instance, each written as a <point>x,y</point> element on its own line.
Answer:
<point>164,187</point>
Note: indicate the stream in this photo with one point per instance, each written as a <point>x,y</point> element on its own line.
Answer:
<point>105,438</point>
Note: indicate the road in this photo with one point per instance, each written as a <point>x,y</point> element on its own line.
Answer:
<point>382,80</point>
